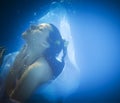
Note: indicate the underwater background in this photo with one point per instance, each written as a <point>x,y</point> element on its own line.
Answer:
<point>95,30</point>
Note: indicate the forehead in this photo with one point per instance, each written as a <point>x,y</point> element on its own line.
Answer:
<point>45,26</point>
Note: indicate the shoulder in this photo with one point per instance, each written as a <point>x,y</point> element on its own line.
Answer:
<point>40,69</point>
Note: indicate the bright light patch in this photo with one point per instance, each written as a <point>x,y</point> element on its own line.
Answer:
<point>68,81</point>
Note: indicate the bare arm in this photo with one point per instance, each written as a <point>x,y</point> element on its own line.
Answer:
<point>13,73</point>
<point>33,77</point>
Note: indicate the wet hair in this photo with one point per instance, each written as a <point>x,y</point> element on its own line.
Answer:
<point>56,46</point>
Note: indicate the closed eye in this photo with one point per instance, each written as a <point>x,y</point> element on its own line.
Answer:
<point>41,29</point>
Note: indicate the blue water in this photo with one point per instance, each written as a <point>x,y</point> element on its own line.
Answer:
<point>96,36</point>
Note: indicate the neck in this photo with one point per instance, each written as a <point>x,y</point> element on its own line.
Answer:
<point>34,50</point>
<point>32,54</point>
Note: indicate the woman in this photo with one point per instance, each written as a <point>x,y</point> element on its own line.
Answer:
<point>36,64</point>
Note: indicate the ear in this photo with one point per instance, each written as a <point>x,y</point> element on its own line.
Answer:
<point>45,44</point>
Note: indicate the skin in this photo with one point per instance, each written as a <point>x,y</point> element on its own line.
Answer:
<point>35,69</point>
<point>2,51</point>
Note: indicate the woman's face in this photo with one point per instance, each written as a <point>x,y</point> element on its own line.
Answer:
<point>37,34</point>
